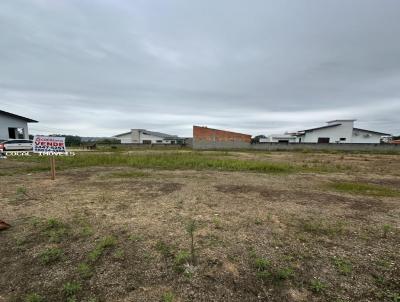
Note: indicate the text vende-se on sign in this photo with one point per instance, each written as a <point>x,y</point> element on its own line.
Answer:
<point>48,144</point>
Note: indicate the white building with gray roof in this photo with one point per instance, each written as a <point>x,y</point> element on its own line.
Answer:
<point>340,131</point>
<point>143,136</point>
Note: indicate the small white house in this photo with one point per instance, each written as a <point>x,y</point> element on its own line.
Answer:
<point>14,126</point>
<point>340,131</point>
<point>142,136</point>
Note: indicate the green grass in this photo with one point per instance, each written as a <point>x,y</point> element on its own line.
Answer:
<point>320,227</point>
<point>159,160</point>
<point>172,160</point>
<point>105,243</point>
<point>51,255</point>
<point>317,286</point>
<point>55,230</point>
<point>85,270</point>
<point>180,260</point>
<point>34,297</point>
<point>364,189</point>
<point>70,289</point>
<point>168,297</point>
<point>342,265</point>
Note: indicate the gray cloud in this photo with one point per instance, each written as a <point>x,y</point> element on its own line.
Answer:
<point>99,68</point>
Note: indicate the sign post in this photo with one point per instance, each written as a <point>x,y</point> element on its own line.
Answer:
<point>53,167</point>
<point>49,145</point>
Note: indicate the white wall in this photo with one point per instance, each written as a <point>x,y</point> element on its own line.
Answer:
<point>152,138</point>
<point>334,133</point>
<point>137,137</point>
<point>360,137</point>
<point>7,121</point>
<point>125,139</point>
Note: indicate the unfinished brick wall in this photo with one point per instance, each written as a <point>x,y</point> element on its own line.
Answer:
<point>215,135</point>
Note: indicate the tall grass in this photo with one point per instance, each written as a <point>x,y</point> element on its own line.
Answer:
<point>364,189</point>
<point>169,161</point>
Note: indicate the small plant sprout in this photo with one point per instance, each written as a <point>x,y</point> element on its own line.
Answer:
<point>342,265</point>
<point>181,259</point>
<point>317,286</point>
<point>168,297</point>
<point>387,228</point>
<point>396,297</point>
<point>191,228</point>
<point>85,270</point>
<point>106,242</point>
<point>34,297</point>
<point>71,289</point>
<point>20,193</point>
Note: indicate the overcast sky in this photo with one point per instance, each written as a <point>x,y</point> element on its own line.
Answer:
<point>99,68</point>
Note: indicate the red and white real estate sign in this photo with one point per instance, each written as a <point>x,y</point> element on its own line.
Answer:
<point>51,144</point>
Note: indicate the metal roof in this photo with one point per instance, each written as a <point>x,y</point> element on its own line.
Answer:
<point>144,131</point>
<point>370,131</point>
<point>323,127</point>
<point>18,116</point>
<point>341,121</point>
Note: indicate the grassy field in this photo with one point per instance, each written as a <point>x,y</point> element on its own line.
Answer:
<point>168,225</point>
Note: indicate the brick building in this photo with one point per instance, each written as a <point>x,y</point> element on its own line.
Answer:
<point>206,134</point>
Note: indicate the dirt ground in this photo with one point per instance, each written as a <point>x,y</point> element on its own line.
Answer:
<point>257,237</point>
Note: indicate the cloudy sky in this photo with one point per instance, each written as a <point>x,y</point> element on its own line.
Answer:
<point>98,68</point>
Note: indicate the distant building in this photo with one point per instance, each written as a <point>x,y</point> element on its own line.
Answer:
<point>215,135</point>
<point>279,138</point>
<point>14,126</point>
<point>340,131</point>
<point>142,136</point>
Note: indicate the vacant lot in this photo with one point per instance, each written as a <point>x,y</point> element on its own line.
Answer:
<point>209,226</point>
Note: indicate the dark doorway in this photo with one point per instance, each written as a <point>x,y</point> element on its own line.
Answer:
<point>11,133</point>
<point>323,140</point>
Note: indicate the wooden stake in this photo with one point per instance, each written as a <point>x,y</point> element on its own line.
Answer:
<point>53,167</point>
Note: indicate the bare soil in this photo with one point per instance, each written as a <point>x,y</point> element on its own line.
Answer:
<point>319,244</point>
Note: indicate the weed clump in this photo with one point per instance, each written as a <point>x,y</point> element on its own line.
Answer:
<point>168,297</point>
<point>70,290</point>
<point>182,258</point>
<point>364,189</point>
<point>51,255</point>
<point>55,230</point>
<point>34,297</point>
<point>317,286</point>
<point>85,270</point>
<point>343,266</point>
<point>105,243</point>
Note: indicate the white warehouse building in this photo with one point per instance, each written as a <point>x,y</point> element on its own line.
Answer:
<point>142,136</point>
<point>340,131</point>
<point>14,126</point>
